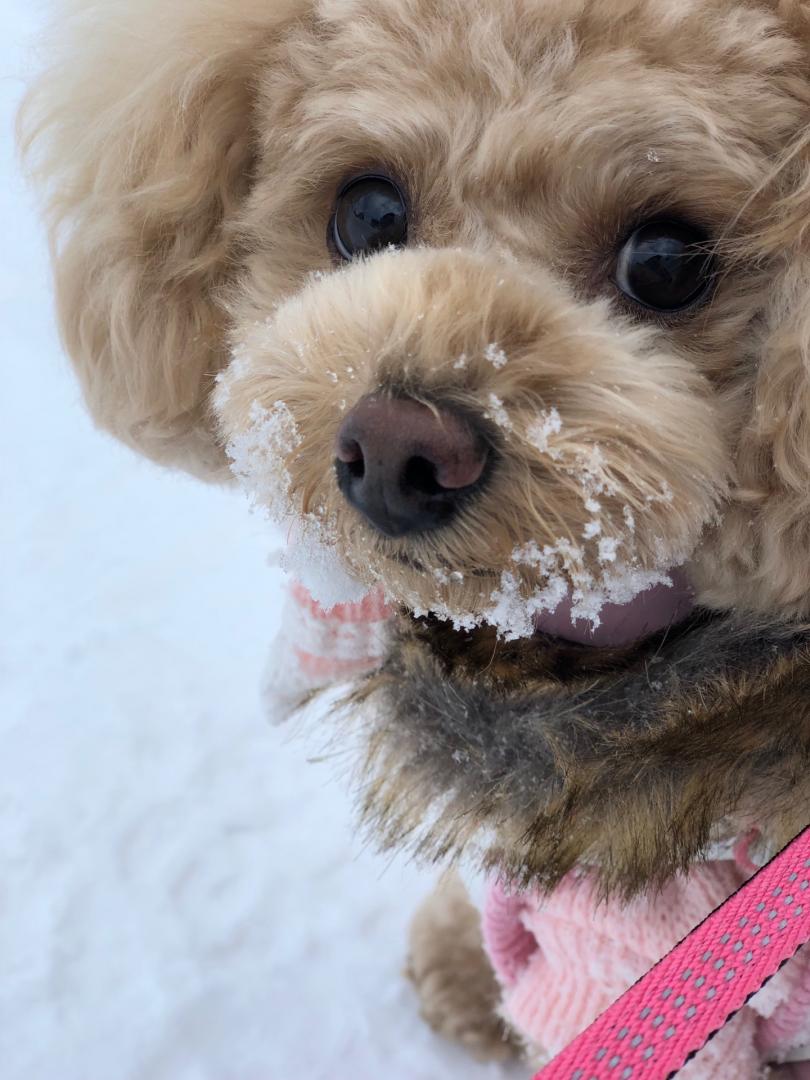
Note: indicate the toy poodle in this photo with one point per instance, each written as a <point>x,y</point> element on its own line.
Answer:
<point>505,305</point>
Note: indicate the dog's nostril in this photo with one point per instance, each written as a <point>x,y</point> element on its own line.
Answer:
<point>420,476</point>
<point>350,452</point>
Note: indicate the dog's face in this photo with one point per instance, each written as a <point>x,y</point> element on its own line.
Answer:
<point>508,300</point>
<point>541,342</point>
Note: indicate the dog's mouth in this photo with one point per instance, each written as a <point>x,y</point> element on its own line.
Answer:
<point>657,609</point>
<point>563,647</point>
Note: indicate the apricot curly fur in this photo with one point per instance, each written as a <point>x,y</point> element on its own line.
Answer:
<point>458,992</point>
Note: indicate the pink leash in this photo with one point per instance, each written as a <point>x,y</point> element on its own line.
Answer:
<point>662,1021</point>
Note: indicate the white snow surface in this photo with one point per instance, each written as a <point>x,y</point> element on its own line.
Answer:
<point>183,896</point>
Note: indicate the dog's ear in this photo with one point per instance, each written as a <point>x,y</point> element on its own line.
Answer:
<point>141,136</point>
<point>766,536</point>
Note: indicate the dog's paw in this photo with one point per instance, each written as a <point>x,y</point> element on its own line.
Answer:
<point>458,992</point>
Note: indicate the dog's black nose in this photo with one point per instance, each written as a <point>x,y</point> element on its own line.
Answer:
<point>405,466</point>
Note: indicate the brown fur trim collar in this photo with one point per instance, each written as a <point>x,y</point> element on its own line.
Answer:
<point>538,756</point>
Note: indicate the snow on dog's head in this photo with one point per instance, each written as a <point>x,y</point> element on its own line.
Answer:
<point>503,304</point>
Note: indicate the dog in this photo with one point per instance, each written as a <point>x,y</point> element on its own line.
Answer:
<point>505,304</point>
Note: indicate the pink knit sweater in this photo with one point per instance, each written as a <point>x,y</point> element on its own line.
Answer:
<point>318,648</point>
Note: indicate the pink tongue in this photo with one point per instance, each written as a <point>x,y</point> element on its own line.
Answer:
<point>656,609</point>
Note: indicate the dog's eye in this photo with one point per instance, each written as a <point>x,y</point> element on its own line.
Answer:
<point>371,214</point>
<point>664,265</point>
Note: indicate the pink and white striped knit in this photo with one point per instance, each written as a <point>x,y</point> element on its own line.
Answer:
<point>320,647</point>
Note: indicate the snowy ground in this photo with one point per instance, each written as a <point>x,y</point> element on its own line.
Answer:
<point>181,894</point>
